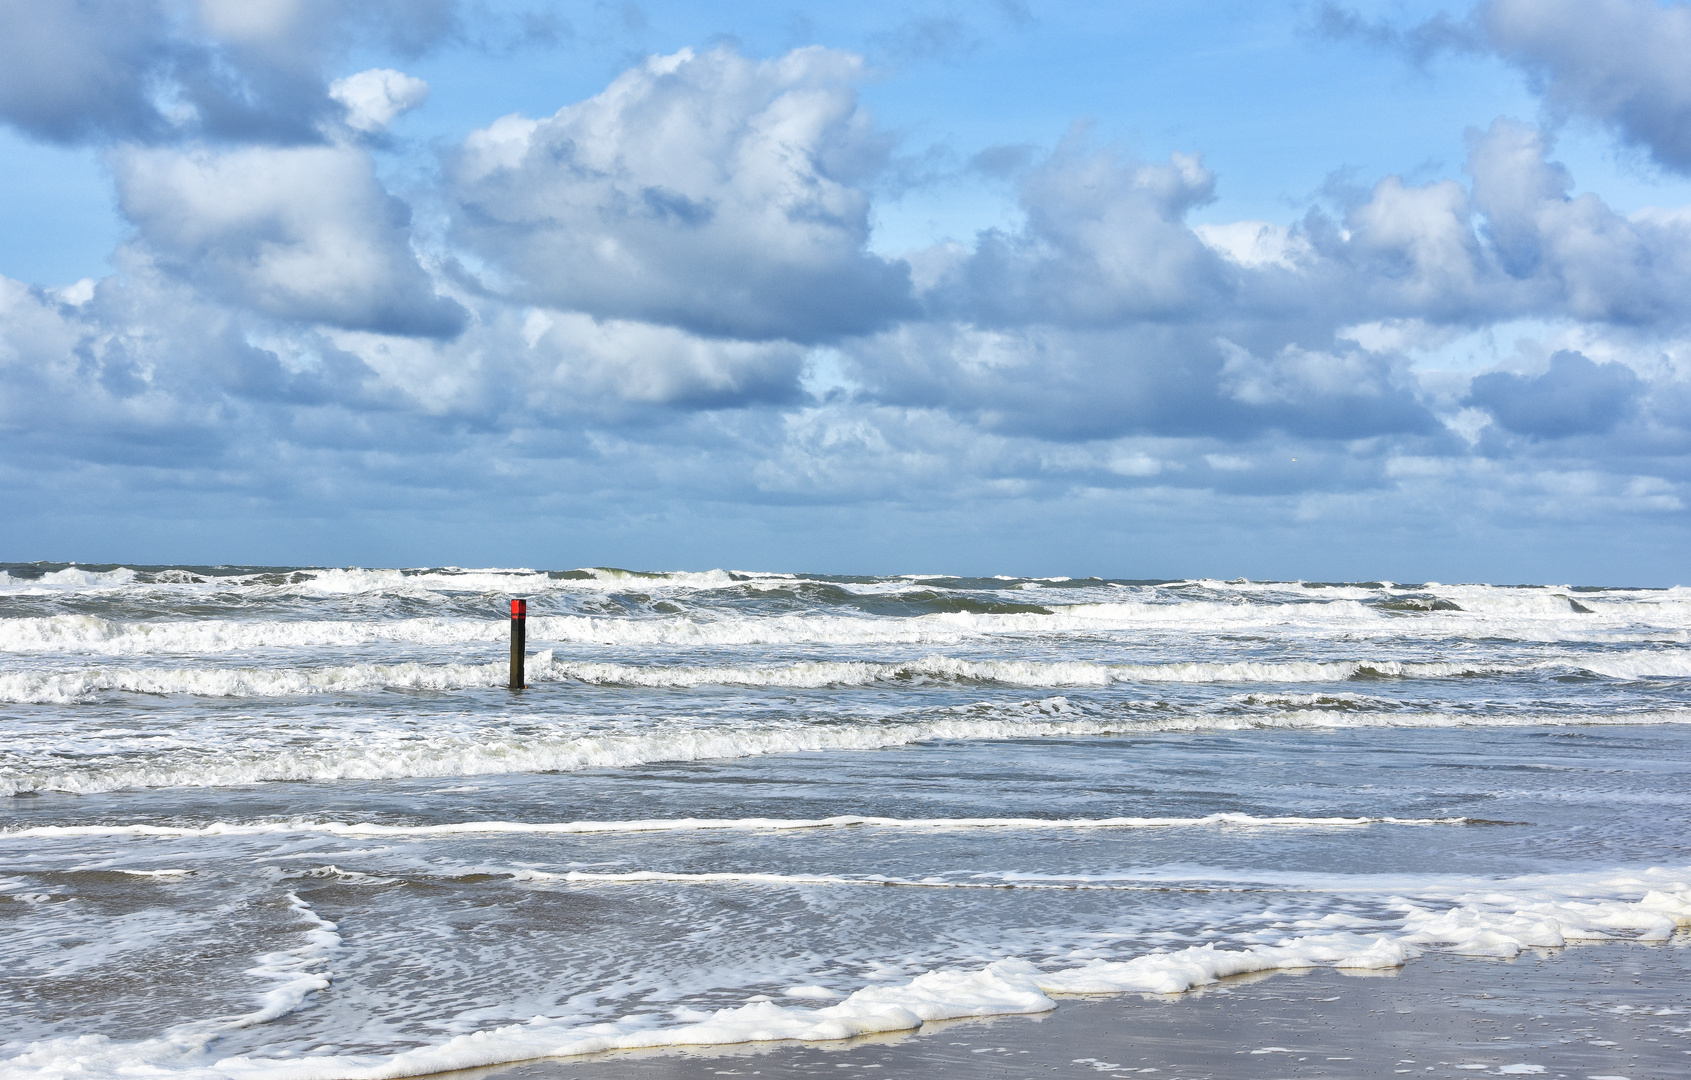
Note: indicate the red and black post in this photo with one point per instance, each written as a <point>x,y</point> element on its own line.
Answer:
<point>519,642</point>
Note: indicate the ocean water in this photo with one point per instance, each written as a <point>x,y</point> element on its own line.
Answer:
<point>288,823</point>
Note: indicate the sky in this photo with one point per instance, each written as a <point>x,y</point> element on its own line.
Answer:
<point>1158,288</point>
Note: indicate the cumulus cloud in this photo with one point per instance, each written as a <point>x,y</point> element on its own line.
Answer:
<point>582,361</point>
<point>237,70</point>
<point>1619,61</point>
<point>669,287</point>
<point>1070,385</point>
<point>299,234</point>
<point>374,98</point>
<point>1107,315</point>
<point>1255,244</point>
<point>1574,397</point>
<point>709,192</point>
<point>75,70</point>
<point>1513,243</point>
<point>1105,242</point>
<point>1417,250</point>
<point>145,376</point>
<point>36,338</point>
<point>1051,382</point>
<point>1589,261</point>
<point>1338,394</point>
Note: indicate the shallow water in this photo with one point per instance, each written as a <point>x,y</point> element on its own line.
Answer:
<point>288,822</point>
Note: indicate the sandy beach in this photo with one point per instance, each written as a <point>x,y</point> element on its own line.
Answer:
<point>1604,1011</point>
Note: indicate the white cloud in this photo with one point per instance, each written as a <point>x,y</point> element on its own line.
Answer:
<point>582,359</point>
<point>1104,243</point>
<point>374,98</point>
<point>1418,243</point>
<point>1255,244</point>
<point>31,330</point>
<point>302,234</point>
<point>704,191</point>
<point>77,293</point>
<point>1593,263</point>
<point>1299,374</point>
<point>668,287</point>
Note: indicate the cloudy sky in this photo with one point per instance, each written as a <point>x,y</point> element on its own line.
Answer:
<point>1148,288</point>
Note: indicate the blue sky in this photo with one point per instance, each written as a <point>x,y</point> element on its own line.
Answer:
<point>1365,290</point>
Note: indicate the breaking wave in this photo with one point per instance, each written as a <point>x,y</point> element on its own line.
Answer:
<point>65,687</point>
<point>391,755</point>
<point>687,825</point>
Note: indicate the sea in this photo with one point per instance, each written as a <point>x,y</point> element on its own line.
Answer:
<point>293,824</point>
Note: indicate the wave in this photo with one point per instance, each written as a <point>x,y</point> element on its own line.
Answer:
<point>65,687</point>
<point>362,581</point>
<point>586,828</point>
<point>1148,602</point>
<point>98,635</point>
<point>1551,617</point>
<point>522,581</point>
<point>496,753</point>
<point>1383,893</point>
<point>1664,665</point>
<point>1036,673</point>
<point>660,877</point>
<point>1501,921</point>
<point>115,637</point>
<point>376,756</point>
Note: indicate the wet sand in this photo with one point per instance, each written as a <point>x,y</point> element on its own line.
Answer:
<point>1594,1011</point>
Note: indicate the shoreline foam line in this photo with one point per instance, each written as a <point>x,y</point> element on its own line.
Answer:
<point>1496,925</point>
<point>589,828</point>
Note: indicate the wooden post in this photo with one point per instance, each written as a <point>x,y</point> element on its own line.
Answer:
<point>519,642</point>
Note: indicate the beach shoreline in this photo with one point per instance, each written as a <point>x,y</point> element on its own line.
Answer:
<point>1616,1009</point>
<point>277,826</point>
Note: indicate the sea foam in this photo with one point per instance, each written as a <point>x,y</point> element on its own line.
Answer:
<point>61,686</point>
<point>671,825</point>
<point>1507,919</point>
<point>393,755</point>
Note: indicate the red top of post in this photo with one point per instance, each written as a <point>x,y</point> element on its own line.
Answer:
<point>519,609</point>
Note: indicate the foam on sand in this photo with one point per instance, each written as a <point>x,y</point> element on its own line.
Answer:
<point>297,972</point>
<point>294,974</point>
<point>1650,906</point>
